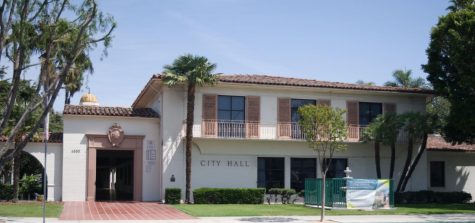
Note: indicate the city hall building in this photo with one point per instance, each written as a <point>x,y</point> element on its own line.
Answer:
<point>245,136</point>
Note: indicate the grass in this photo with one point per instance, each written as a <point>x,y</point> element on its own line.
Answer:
<point>30,209</point>
<point>223,210</point>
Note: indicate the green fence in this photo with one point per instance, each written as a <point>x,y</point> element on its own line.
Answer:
<point>335,192</point>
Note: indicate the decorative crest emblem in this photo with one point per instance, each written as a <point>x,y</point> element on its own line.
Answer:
<point>115,135</point>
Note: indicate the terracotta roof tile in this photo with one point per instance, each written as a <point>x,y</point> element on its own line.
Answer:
<point>109,111</point>
<point>54,137</point>
<point>437,143</point>
<point>300,82</point>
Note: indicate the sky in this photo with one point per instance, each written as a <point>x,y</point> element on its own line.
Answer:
<point>333,40</point>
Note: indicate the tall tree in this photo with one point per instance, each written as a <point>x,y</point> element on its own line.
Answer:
<point>57,32</point>
<point>190,71</point>
<point>451,68</point>
<point>403,78</point>
<point>325,131</point>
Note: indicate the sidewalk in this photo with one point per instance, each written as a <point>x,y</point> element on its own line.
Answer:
<point>277,219</point>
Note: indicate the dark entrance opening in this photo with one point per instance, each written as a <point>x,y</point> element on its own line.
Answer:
<point>114,175</point>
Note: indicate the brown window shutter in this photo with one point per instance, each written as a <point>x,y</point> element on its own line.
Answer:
<point>325,102</point>
<point>283,117</point>
<point>352,113</point>
<point>209,115</point>
<point>253,116</point>
<point>389,108</point>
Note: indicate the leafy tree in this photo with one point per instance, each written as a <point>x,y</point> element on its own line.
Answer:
<point>60,34</point>
<point>403,78</point>
<point>325,131</point>
<point>189,71</point>
<point>451,68</point>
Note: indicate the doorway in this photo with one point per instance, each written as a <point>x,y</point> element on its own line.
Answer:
<point>114,175</point>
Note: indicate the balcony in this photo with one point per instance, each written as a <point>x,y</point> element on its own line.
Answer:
<point>225,129</point>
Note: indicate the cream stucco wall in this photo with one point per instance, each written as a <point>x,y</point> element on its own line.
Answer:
<point>172,108</point>
<point>459,171</point>
<point>53,166</point>
<point>338,98</point>
<point>360,159</point>
<point>75,152</point>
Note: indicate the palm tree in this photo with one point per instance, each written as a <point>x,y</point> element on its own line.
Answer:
<point>384,129</point>
<point>403,78</point>
<point>189,71</point>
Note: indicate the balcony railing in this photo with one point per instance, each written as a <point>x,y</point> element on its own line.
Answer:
<point>228,129</point>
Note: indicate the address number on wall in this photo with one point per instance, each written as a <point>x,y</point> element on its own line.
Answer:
<point>75,151</point>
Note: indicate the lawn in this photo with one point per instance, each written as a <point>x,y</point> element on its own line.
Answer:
<point>30,209</point>
<point>221,210</point>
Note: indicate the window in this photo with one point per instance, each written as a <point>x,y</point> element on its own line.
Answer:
<point>300,169</point>
<point>437,174</point>
<point>231,116</point>
<point>336,168</point>
<point>295,104</point>
<point>231,108</point>
<point>270,172</point>
<point>368,112</point>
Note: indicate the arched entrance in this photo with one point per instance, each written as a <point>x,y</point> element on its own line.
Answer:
<point>114,170</point>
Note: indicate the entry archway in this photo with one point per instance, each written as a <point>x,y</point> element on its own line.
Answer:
<point>131,143</point>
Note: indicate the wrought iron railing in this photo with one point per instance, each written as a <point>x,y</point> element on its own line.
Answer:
<point>271,131</point>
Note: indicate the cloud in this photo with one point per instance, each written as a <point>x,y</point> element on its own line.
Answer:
<point>225,46</point>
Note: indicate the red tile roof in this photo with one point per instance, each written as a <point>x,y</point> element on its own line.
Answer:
<point>54,137</point>
<point>109,111</point>
<point>437,143</point>
<point>300,82</point>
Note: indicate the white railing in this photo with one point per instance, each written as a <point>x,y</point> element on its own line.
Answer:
<point>228,129</point>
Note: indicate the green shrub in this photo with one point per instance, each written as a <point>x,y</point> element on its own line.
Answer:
<point>426,196</point>
<point>172,195</point>
<point>228,195</point>
<point>284,193</point>
<point>6,192</point>
<point>29,185</point>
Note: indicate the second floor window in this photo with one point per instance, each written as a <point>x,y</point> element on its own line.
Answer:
<point>295,104</point>
<point>231,108</point>
<point>368,112</point>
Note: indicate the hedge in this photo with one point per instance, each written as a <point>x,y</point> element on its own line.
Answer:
<point>172,195</point>
<point>6,192</point>
<point>229,195</point>
<point>426,196</point>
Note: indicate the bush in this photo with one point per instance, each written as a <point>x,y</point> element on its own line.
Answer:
<point>29,185</point>
<point>229,195</point>
<point>426,196</point>
<point>172,195</point>
<point>285,194</point>
<point>6,192</point>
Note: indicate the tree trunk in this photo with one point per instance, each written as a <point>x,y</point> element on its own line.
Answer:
<point>67,97</point>
<point>190,108</point>
<point>414,163</point>
<point>408,161</point>
<point>322,212</point>
<point>16,177</point>
<point>377,158</point>
<point>393,160</point>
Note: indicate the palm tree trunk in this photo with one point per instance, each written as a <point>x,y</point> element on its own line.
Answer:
<point>190,110</point>
<point>393,160</point>
<point>413,165</point>
<point>408,161</point>
<point>377,158</point>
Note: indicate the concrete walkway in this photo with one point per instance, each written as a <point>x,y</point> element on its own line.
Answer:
<point>281,219</point>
